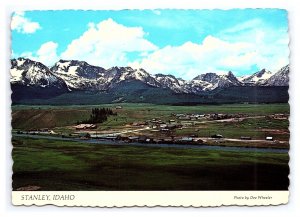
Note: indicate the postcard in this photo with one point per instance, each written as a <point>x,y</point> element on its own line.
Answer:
<point>150,108</point>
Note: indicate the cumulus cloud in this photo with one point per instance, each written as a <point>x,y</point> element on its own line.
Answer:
<point>22,24</point>
<point>108,44</point>
<point>269,44</point>
<point>46,54</point>
<point>192,59</point>
<point>239,49</point>
<point>242,48</point>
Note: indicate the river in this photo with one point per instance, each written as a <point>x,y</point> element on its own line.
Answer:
<point>161,145</point>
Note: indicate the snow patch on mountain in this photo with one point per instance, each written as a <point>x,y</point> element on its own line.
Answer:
<point>280,78</point>
<point>242,78</point>
<point>31,73</point>
<point>16,75</point>
<point>63,65</point>
<point>169,81</point>
<point>259,77</point>
<point>210,81</point>
<point>79,75</point>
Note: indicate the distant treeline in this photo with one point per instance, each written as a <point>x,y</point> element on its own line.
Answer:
<point>153,95</point>
<point>99,115</point>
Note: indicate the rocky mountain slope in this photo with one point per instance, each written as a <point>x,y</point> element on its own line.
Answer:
<point>30,73</point>
<point>258,78</point>
<point>71,75</point>
<point>280,78</point>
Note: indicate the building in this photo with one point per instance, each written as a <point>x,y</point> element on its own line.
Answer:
<point>217,136</point>
<point>85,126</point>
<point>269,138</point>
<point>133,138</point>
<point>136,124</point>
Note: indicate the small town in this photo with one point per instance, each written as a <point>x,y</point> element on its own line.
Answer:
<point>164,130</point>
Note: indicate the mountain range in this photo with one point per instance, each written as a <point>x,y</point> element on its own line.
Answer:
<point>33,81</point>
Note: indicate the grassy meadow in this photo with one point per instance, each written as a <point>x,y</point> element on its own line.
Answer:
<point>56,165</point>
<point>70,165</point>
<point>60,117</point>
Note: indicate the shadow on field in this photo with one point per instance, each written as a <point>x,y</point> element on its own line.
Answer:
<point>73,166</point>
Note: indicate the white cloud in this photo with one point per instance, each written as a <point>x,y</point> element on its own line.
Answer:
<point>46,54</point>
<point>107,44</point>
<point>22,24</point>
<point>192,59</point>
<point>270,44</point>
<point>237,49</point>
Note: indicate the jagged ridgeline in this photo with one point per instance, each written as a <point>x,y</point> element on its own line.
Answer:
<point>77,82</point>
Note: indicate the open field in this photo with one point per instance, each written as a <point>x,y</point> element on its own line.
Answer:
<point>51,164</point>
<point>61,118</point>
<point>55,165</point>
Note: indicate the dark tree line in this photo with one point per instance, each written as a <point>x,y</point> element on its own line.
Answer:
<point>99,115</point>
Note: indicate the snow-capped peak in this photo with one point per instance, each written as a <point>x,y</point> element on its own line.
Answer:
<point>280,78</point>
<point>211,81</point>
<point>171,82</point>
<point>259,77</point>
<point>32,73</point>
<point>79,75</point>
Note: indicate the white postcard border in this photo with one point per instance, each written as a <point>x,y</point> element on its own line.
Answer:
<point>150,198</point>
<point>292,206</point>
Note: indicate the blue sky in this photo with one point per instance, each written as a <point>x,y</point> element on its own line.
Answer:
<point>184,43</point>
